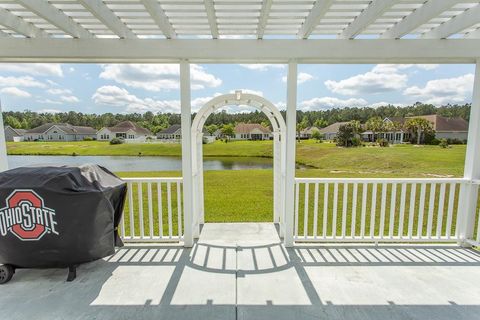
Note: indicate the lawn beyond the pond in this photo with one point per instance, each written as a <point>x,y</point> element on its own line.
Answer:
<point>396,160</point>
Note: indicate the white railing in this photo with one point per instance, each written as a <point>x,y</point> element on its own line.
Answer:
<point>153,210</point>
<point>475,239</point>
<point>376,210</point>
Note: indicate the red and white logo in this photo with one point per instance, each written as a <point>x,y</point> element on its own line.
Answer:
<point>26,216</point>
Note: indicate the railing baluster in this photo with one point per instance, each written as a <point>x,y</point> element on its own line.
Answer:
<point>150,209</point>
<point>451,203</point>
<point>160,209</point>
<point>413,196</point>
<point>179,210</point>
<point>383,206</point>
<point>122,225</point>
<point>354,209</point>
<point>335,200</point>
<point>297,203</point>
<point>305,211</point>
<point>344,209</point>
<point>325,210</point>
<point>373,210</point>
<point>421,209</point>
<point>478,226</point>
<point>431,207</point>
<point>393,203</point>
<point>441,203</point>
<point>169,205</point>
<point>315,212</point>
<point>402,209</point>
<point>364,210</point>
<point>140,208</point>
<point>130,209</point>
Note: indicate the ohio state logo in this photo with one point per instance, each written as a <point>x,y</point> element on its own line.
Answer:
<point>26,216</point>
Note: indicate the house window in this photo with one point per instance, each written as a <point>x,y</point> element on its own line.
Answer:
<point>131,136</point>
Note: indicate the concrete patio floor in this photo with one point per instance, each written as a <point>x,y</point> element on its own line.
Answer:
<point>241,271</point>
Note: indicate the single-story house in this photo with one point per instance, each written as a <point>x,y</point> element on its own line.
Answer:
<point>12,134</point>
<point>398,134</point>
<point>252,131</point>
<point>447,128</point>
<point>307,132</point>
<point>59,132</point>
<point>330,132</point>
<point>126,130</point>
<point>172,133</point>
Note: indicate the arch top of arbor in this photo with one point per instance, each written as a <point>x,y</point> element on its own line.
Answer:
<point>240,98</point>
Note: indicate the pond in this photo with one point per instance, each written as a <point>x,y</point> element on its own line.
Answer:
<point>144,163</point>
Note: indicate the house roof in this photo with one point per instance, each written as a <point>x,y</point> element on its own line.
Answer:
<point>65,127</point>
<point>333,128</point>
<point>124,126</point>
<point>249,127</point>
<point>443,124</point>
<point>309,130</point>
<point>172,129</point>
<point>20,132</point>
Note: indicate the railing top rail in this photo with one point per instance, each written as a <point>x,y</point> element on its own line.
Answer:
<point>381,180</point>
<point>154,179</point>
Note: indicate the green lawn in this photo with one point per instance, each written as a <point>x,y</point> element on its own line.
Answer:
<point>398,160</point>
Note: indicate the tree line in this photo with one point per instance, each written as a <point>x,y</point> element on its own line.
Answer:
<point>157,122</point>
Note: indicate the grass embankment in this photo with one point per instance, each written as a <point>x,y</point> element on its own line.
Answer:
<point>398,160</point>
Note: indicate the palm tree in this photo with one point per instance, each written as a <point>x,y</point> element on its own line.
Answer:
<point>375,125</point>
<point>419,127</point>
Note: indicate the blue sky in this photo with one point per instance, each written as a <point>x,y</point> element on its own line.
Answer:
<point>96,88</point>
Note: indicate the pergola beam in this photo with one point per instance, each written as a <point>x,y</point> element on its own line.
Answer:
<point>367,17</point>
<point>19,25</point>
<point>212,18</point>
<point>160,18</point>
<point>431,9</point>
<point>461,22</point>
<point>316,14</point>
<point>473,35</point>
<point>108,18</point>
<point>265,13</point>
<point>239,51</point>
<point>56,17</point>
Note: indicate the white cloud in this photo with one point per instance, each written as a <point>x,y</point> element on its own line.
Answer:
<point>13,91</point>
<point>444,91</point>
<point>383,104</point>
<point>59,91</point>
<point>37,69</point>
<point>262,67</point>
<point>69,99</point>
<point>49,111</point>
<point>382,78</point>
<point>250,91</point>
<point>119,97</point>
<point>25,81</point>
<point>302,77</point>
<point>326,103</point>
<point>48,101</point>
<point>157,77</point>
<point>53,83</point>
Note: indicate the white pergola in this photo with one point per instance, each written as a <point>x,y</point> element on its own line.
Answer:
<point>253,31</point>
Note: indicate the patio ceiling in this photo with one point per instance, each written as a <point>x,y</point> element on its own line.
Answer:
<point>139,22</point>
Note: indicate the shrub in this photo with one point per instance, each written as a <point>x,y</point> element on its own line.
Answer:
<point>356,142</point>
<point>116,141</point>
<point>456,141</point>
<point>87,139</point>
<point>434,142</point>
<point>443,143</point>
<point>382,142</point>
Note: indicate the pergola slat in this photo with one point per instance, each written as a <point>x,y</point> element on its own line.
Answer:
<point>56,17</point>
<point>265,13</point>
<point>318,11</point>
<point>366,18</point>
<point>160,18</point>
<point>212,19</point>
<point>428,11</point>
<point>19,25</point>
<point>458,23</point>
<point>107,17</point>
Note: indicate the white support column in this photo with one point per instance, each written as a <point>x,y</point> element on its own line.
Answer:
<point>3,144</point>
<point>290,160</point>
<point>469,192</point>
<point>276,177</point>
<point>186,109</point>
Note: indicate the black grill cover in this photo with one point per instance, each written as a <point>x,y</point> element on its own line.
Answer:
<point>59,216</point>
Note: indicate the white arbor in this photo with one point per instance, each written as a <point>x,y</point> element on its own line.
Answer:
<point>279,151</point>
